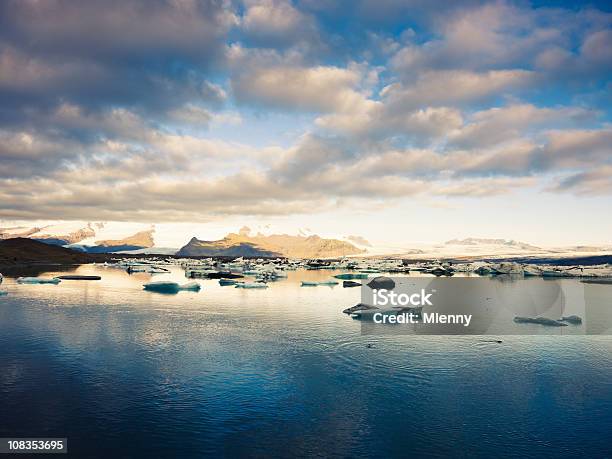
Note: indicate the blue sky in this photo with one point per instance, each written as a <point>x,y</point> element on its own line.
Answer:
<point>396,120</point>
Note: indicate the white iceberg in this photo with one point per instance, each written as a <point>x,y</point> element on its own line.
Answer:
<point>191,286</point>
<point>171,287</point>
<point>38,280</point>
<point>162,287</point>
<point>251,285</point>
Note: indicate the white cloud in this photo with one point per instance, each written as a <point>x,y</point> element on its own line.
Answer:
<point>321,88</point>
<point>277,23</point>
<point>593,182</point>
<point>502,124</point>
<point>451,87</point>
<point>375,119</point>
<point>578,148</point>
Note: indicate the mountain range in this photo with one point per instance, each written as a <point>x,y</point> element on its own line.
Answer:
<point>134,238</point>
<point>83,237</point>
<point>274,245</point>
<point>91,238</point>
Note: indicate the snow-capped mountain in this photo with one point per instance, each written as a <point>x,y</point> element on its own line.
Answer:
<point>98,237</point>
<point>168,238</point>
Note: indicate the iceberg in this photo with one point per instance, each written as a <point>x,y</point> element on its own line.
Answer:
<point>191,287</point>
<point>382,282</point>
<point>440,270</point>
<point>350,283</point>
<point>38,280</point>
<point>251,285</point>
<point>171,287</point>
<point>162,287</point>
<point>329,283</point>
<point>539,320</point>
<point>3,293</point>
<point>223,282</point>
<point>309,284</point>
<point>532,270</point>
<point>576,320</point>
<point>359,307</point>
<point>351,276</point>
<point>137,268</point>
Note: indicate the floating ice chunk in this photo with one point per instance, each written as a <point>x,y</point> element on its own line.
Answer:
<point>309,284</point>
<point>539,320</point>
<point>350,283</point>
<point>532,270</point>
<point>3,293</point>
<point>162,287</point>
<point>191,286</point>
<point>382,282</point>
<point>329,283</point>
<point>576,320</point>
<point>223,282</point>
<point>171,287</point>
<point>251,285</point>
<point>38,280</point>
<point>359,307</point>
<point>350,276</point>
<point>157,270</point>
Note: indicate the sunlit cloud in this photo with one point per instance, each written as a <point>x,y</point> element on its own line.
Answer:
<point>140,111</point>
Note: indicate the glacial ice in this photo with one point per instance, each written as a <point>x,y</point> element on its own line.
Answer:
<point>171,287</point>
<point>191,286</point>
<point>38,280</point>
<point>539,320</point>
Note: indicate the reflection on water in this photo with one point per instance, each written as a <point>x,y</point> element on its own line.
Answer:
<point>281,372</point>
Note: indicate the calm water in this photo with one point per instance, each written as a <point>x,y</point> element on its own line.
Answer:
<point>281,372</point>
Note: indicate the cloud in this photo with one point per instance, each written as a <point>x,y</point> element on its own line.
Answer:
<point>103,54</point>
<point>377,119</point>
<point>450,87</point>
<point>145,110</point>
<point>277,23</point>
<point>502,124</point>
<point>117,30</point>
<point>594,182</point>
<point>483,187</point>
<point>191,115</point>
<point>577,148</point>
<point>183,177</point>
<point>321,88</point>
<point>596,49</point>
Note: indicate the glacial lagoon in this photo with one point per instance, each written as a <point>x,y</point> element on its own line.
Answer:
<point>122,372</point>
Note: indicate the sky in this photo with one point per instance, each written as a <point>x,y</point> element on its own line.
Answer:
<point>399,121</point>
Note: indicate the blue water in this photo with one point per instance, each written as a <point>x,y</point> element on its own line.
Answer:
<point>281,372</point>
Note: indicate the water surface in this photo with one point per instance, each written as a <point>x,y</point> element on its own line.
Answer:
<point>282,372</point>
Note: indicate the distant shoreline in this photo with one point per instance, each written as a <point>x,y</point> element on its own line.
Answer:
<point>23,255</point>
